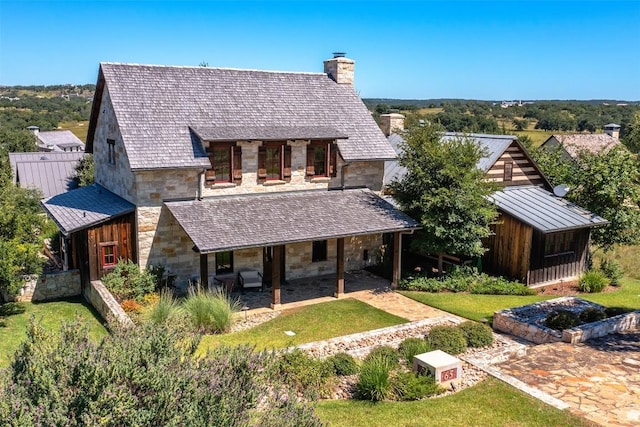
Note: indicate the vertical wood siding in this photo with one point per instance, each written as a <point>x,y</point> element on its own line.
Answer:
<point>509,249</point>
<point>118,230</point>
<point>564,265</point>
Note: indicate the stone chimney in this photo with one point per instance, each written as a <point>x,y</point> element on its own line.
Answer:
<point>34,130</point>
<point>340,69</point>
<point>613,130</point>
<point>391,123</point>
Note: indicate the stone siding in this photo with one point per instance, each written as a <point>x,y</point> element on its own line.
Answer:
<point>612,325</point>
<point>117,178</point>
<point>535,333</point>
<point>51,286</point>
<point>157,186</point>
<point>365,174</point>
<point>105,304</point>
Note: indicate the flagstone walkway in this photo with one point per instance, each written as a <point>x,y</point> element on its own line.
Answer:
<point>599,379</point>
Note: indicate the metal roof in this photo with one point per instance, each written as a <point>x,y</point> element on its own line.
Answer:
<point>50,177</point>
<point>156,105</point>
<point>85,207</point>
<point>543,210</point>
<point>39,156</point>
<point>237,222</point>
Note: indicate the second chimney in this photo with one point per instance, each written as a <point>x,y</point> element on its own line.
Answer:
<point>613,130</point>
<point>391,123</point>
<point>340,69</point>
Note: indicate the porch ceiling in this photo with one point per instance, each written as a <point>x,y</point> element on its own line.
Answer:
<point>237,222</point>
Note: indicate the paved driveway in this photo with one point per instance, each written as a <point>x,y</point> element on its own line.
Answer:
<point>599,379</point>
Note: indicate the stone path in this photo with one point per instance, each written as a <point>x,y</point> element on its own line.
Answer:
<point>599,379</point>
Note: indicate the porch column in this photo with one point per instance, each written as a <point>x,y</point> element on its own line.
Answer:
<point>340,268</point>
<point>204,271</point>
<point>397,264</point>
<point>275,276</point>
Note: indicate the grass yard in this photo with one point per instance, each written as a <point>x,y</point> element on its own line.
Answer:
<point>15,317</point>
<point>490,403</point>
<point>79,129</point>
<point>310,323</point>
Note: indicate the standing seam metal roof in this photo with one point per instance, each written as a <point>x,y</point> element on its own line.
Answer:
<point>156,105</point>
<point>543,210</point>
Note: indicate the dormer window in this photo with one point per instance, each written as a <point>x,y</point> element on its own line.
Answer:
<point>226,162</point>
<point>321,159</point>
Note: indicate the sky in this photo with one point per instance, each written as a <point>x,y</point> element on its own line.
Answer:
<point>491,50</point>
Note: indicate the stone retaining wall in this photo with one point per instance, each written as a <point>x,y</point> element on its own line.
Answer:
<point>63,284</point>
<point>102,300</point>
<point>538,334</point>
<point>612,325</point>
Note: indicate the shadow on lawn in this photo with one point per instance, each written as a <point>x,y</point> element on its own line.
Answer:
<point>10,309</point>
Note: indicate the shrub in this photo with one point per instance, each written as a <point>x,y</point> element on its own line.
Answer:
<point>343,364</point>
<point>210,312</point>
<point>388,353</point>
<point>616,311</point>
<point>166,307</point>
<point>487,285</point>
<point>591,314</point>
<point>411,347</point>
<point>593,281</point>
<point>562,319</point>
<point>476,334</point>
<point>126,281</point>
<point>613,271</point>
<point>304,373</point>
<point>131,306</point>
<point>448,339</point>
<point>424,284</point>
<point>410,386</point>
<point>467,280</point>
<point>374,381</point>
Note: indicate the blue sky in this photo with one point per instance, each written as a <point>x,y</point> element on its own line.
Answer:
<point>403,49</point>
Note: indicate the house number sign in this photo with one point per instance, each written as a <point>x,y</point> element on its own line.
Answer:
<point>448,375</point>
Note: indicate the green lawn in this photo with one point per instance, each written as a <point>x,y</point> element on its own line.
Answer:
<point>628,296</point>
<point>15,317</point>
<point>491,403</point>
<point>310,323</point>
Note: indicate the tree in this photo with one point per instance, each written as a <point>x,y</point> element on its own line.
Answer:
<point>143,376</point>
<point>446,192</point>
<point>607,184</point>
<point>85,172</point>
<point>520,124</point>
<point>631,137</point>
<point>21,236</point>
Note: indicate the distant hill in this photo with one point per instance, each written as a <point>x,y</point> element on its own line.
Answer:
<point>437,102</point>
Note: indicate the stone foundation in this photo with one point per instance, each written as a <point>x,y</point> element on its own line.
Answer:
<point>51,286</point>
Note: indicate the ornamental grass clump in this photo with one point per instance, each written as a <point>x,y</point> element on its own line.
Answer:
<point>593,281</point>
<point>374,381</point>
<point>165,308</point>
<point>388,353</point>
<point>412,386</point>
<point>210,312</point>
<point>476,334</point>
<point>411,347</point>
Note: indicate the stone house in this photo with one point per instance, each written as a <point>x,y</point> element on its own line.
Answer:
<point>572,145</point>
<point>231,170</point>
<point>56,140</point>
<point>539,237</point>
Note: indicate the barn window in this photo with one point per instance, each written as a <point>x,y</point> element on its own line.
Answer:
<point>319,251</point>
<point>109,254</point>
<point>111,145</point>
<point>224,262</point>
<point>508,170</point>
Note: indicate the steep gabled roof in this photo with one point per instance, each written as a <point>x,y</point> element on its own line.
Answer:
<point>493,146</point>
<point>594,143</point>
<point>157,105</point>
<point>60,138</point>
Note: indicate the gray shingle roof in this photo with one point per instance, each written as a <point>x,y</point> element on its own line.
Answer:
<point>267,133</point>
<point>156,105</point>
<point>594,143</point>
<point>85,207</point>
<point>544,211</point>
<point>61,138</point>
<point>236,222</point>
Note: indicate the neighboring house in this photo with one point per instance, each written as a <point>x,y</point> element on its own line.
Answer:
<point>57,140</point>
<point>229,170</point>
<point>539,238</point>
<point>51,173</point>
<point>574,144</point>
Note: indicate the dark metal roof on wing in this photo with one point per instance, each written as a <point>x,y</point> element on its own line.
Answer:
<point>85,207</point>
<point>266,133</point>
<point>156,105</point>
<point>50,177</point>
<point>38,156</point>
<point>543,210</point>
<point>236,222</point>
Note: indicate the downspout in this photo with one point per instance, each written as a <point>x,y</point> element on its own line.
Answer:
<point>200,184</point>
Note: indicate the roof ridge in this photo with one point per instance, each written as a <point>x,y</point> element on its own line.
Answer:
<point>132,64</point>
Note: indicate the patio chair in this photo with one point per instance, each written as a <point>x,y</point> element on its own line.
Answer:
<point>250,279</point>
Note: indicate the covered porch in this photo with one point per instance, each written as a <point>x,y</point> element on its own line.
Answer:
<point>280,220</point>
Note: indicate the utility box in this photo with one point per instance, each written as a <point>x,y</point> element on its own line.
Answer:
<point>445,368</point>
